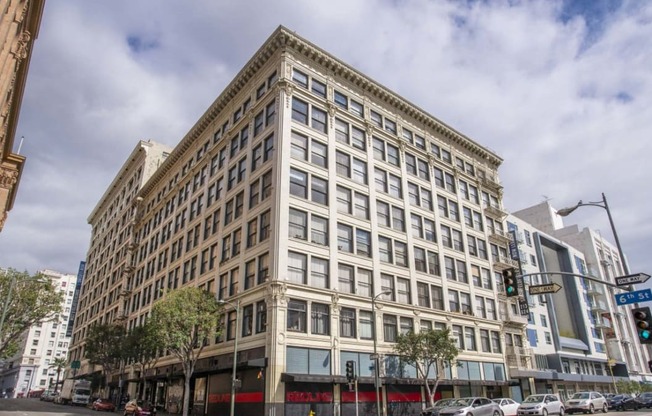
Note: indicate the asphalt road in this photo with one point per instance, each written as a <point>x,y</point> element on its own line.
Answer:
<point>35,407</point>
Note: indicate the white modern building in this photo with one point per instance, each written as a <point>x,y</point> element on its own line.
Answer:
<point>579,338</point>
<point>30,369</point>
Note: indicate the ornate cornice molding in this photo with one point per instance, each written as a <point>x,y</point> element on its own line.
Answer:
<point>284,40</point>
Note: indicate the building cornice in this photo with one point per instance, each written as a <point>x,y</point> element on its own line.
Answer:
<point>284,40</point>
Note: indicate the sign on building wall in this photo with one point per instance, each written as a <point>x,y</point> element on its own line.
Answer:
<point>75,298</point>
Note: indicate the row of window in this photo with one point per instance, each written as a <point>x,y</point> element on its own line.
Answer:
<point>358,324</point>
<point>314,271</point>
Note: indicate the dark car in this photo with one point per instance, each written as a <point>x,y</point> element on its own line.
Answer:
<point>624,402</point>
<point>103,404</point>
<point>645,399</point>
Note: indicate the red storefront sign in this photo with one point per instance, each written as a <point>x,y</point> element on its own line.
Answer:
<point>363,396</point>
<point>253,397</point>
<point>308,397</point>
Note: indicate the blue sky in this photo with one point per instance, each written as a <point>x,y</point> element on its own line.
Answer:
<point>560,90</point>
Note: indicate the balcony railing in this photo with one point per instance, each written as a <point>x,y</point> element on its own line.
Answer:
<point>599,306</point>
<point>491,184</point>
<point>503,262</point>
<point>519,357</point>
<point>512,318</point>
<point>495,212</point>
<point>499,237</point>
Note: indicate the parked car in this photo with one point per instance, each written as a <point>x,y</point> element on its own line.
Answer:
<point>434,410</point>
<point>139,408</point>
<point>645,399</point>
<point>46,394</point>
<point>586,402</point>
<point>103,404</point>
<point>541,404</point>
<point>476,406</point>
<point>508,406</point>
<point>624,402</point>
<point>49,396</point>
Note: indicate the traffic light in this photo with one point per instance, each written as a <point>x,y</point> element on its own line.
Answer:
<point>510,282</point>
<point>350,371</point>
<point>643,323</point>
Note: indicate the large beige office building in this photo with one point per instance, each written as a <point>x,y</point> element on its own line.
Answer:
<point>303,192</point>
<point>19,25</point>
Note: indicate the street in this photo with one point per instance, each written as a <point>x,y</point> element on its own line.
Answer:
<point>35,407</point>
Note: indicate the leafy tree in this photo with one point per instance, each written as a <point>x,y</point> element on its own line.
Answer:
<point>26,301</point>
<point>185,320</point>
<point>105,347</point>
<point>59,363</point>
<point>141,347</point>
<point>428,351</point>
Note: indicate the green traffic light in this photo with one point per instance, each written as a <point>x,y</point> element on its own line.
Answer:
<point>645,334</point>
<point>510,290</point>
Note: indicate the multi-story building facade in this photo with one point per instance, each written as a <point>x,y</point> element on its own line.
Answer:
<point>302,193</point>
<point>103,292</point>
<point>566,331</point>
<point>30,370</point>
<point>578,338</point>
<point>19,25</point>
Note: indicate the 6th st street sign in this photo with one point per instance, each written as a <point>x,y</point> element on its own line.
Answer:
<point>543,289</point>
<point>631,279</point>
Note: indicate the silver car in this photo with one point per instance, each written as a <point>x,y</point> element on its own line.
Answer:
<point>541,405</point>
<point>586,402</point>
<point>471,406</point>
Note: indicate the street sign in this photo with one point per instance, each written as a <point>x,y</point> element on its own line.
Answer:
<point>523,307</point>
<point>631,279</point>
<point>75,364</point>
<point>543,289</point>
<point>644,295</point>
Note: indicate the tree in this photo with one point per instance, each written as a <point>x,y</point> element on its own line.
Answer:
<point>105,347</point>
<point>26,301</point>
<point>185,320</point>
<point>428,351</point>
<point>59,363</point>
<point>141,347</point>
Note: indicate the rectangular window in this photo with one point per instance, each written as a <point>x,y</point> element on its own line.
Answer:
<point>319,272</point>
<point>300,111</point>
<point>347,323</point>
<point>318,120</point>
<point>403,291</point>
<point>320,314</point>
<point>319,230</point>
<point>365,325</point>
<point>296,321</point>
<point>300,78</point>
<point>298,224</point>
<point>298,183</point>
<point>297,267</point>
<point>344,238</point>
<point>389,328</point>
<point>345,278</point>
<point>423,295</point>
<point>261,317</point>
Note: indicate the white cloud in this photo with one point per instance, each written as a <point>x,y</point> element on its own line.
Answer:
<point>566,103</point>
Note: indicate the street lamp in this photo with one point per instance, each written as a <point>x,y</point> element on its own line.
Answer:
<point>376,358</point>
<point>235,306</point>
<point>602,204</point>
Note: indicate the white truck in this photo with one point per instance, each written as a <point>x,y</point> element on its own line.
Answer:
<point>76,392</point>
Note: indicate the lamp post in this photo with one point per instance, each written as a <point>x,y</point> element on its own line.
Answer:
<point>236,307</point>
<point>602,204</point>
<point>376,358</point>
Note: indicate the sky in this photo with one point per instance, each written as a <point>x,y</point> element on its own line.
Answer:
<point>561,90</point>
